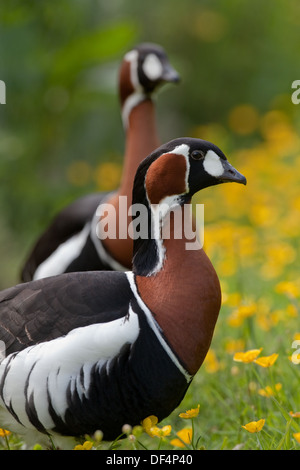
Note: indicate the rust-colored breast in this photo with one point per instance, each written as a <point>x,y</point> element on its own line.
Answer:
<point>185,298</point>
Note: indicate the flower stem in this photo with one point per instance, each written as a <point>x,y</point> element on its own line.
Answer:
<point>6,441</point>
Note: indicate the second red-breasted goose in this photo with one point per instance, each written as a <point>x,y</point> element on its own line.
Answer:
<point>70,242</point>
<point>97,350</point>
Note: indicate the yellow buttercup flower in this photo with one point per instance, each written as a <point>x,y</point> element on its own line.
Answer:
<point>87,445</point>
<point>266,361</point>
<point>269,391</point>
<point>160,432</point>
<point>211,362</point>
<point>192,413</point>
<point>292,311</point>
<point>248,356</point>
<point>108,175</point>
<point>149,425</point>
<point>149,421</point>
<point>289,288</point>
<point>295,414</point>
<point>4,432</point>
<point>297,436</point>
<point>184,437</point>
<point>243,119</point>
<point>254,426</point>
<point>241,313</point>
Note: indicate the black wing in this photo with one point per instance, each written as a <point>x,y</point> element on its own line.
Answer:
<point>67,223</point>
<point>45,309</point>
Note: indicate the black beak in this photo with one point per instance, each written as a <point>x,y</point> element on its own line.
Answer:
<point>231,174</point>
<point>170,74</point>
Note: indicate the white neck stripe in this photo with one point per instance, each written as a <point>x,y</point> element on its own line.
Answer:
<point>167,203</point>
<point>155,327</point>
<point>131,102</point>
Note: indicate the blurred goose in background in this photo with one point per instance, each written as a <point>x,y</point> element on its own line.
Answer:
<point>70,243</point>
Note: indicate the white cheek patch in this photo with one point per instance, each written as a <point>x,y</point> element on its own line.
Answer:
<point>152,67</point>
<point>212,164</point>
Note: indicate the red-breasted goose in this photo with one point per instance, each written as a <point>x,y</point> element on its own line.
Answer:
<point>97,350</point>
<point>70,243</point>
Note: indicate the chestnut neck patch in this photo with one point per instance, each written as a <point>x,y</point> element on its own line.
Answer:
<point>166,177</point>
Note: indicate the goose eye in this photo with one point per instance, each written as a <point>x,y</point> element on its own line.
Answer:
<point>197,154</point>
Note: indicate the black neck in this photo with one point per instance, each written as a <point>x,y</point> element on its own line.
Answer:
<point>147,252</point>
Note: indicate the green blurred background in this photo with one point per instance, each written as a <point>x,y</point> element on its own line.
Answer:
<point>60,129</point>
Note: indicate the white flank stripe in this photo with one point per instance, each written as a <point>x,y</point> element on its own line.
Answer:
<point>64,254</point>
<point>155,327</point>
<point>57,364</point>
